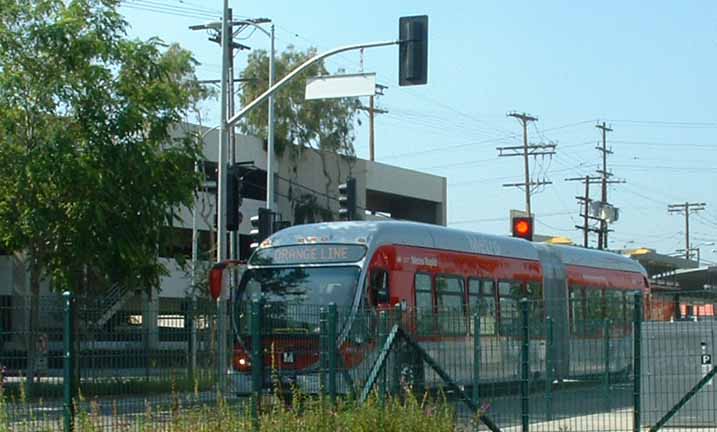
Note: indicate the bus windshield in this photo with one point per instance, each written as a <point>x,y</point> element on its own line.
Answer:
<point>301,286</point>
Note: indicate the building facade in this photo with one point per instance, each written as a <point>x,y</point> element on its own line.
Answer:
<point>306,190</point>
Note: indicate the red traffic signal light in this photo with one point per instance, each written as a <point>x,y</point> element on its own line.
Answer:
<point>216,281</point>
<point>523,227</point>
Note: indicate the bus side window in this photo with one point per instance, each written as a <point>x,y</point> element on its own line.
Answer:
<point>577,309</point>
<point>614,306</point>
<point>508,294</point>
<point>379,287</point>
<point>424,304</point>
<point>481,298</point>
<point>451,309</point>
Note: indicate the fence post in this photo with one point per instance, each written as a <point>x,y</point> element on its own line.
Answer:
<point>637,366</point>
<point>323,349</point>
<point>606,361</point>
<point>69,383</point>
<point>382,336</point>
<point>332,349</point>
<point>476,358</point>
<point>549,368</point>
<point>191,343</point>
<point>524,365</point>
<point>398,357</point>
<point>257,358</point>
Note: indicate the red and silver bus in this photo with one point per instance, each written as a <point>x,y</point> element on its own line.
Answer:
<point>436,275</point>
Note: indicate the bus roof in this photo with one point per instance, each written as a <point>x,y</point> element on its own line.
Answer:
<point>578,256</point>
<point>378,233</point>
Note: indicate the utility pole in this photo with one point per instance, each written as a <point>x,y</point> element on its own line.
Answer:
<point>372,111</point>
<point>221,192</point>
<point>602,235</point>
<point>234,235</point>
<point>585,200</point>
<point>226,153</point>
<point>527,150</point>
<point>686,208</point>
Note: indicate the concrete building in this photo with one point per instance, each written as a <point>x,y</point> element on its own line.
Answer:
<point>306,191</point>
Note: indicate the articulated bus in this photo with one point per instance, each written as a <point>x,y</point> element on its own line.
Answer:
<point>430,272</point>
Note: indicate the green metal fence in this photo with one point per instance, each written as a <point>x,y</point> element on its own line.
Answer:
<point>113,372</point>
<point>516,370</point>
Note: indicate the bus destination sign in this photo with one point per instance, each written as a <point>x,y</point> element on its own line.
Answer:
<point>308,254</point>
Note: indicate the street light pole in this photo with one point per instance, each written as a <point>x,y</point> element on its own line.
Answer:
<point>270,138</point>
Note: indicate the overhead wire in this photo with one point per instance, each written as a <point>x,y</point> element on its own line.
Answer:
<point>664,123</point>
<point>498,219</point>
<point>163,8</point>
<point>670,146</point>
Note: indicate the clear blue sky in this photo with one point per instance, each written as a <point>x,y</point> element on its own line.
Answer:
<point>646,68</point>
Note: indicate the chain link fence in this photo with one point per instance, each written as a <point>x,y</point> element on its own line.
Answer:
<point>516,371</point>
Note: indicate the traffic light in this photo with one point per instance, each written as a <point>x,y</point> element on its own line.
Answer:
<point>347,199</point>
<point>234,199</point>
<point>261,226</point>
<point>413,50</point>
<point>523,227</point>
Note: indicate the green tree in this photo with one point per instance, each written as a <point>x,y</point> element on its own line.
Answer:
<point>89,169</point>
<point>324,125</point>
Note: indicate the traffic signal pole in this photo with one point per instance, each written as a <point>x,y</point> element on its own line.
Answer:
<point>291,75</point>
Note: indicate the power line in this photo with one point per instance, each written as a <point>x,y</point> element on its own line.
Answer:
<point>670,145</point>
<point>499,219</point>
<point>664,123</point>
<point>187,8</point>
<point>443,149</point>
<point>163,8</point>
<point>467,164</point>
<point>488,179</point>
<point>667,167</point>
<point>197,5</point>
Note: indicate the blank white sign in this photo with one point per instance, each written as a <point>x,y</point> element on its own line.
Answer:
<point>338,86</point>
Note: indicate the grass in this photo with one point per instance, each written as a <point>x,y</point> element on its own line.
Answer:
<point>301,412</point>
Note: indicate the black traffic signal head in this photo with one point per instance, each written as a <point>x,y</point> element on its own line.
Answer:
<point>413,50</point>
<point>523,227</point>
<point>347,199</point>
<point>261,226</point>
<point>234,199</point>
